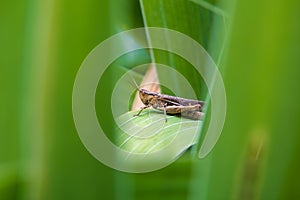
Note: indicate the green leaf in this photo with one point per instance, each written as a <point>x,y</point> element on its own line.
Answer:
<point>149,132</point>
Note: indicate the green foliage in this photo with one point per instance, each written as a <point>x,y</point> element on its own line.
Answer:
<point>150,132</point>
<point>255,44</point>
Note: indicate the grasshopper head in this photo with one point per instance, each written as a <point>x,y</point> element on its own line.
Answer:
<point>146,96</point>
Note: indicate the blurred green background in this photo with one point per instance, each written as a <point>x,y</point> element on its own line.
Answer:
<point>256,45</point>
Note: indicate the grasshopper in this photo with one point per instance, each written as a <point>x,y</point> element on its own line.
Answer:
<point>172,105</point>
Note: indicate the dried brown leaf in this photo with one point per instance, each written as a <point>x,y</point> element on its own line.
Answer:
<point>150,82</point>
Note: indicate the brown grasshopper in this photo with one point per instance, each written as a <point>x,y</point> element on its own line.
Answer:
<point>172,105</point>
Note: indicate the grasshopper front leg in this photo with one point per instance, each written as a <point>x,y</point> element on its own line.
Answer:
<point>142,108</point>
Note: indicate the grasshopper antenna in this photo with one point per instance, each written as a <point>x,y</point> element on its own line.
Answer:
<point>134,82</point>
